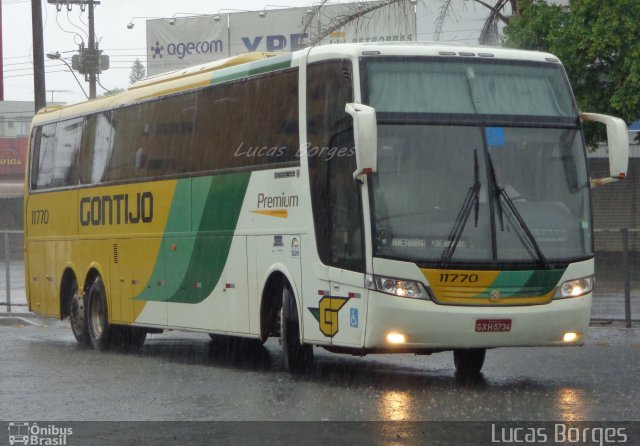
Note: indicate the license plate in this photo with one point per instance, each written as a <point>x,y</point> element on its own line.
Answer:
<point>493,325</point>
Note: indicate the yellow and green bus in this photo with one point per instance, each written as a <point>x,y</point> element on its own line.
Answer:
<point>363,198</point>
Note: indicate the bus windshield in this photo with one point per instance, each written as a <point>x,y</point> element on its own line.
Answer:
<point>452,188</point>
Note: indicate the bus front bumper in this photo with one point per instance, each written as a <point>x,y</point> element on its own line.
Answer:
<point>427,325</point>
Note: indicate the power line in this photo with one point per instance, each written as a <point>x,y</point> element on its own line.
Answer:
<point>57,71</point>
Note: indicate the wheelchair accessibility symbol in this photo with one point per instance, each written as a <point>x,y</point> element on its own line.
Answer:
<point>354,317</point>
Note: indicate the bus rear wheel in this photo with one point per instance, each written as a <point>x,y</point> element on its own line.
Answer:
<point>297,356</point>
<point>100,332</point>
<point>78,315</point>
<point>469,361</point>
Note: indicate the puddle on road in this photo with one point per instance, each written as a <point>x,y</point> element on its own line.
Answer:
<point>16,322</point>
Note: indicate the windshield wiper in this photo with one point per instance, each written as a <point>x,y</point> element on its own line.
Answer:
<point>471,201</point>
<point>502,194</point>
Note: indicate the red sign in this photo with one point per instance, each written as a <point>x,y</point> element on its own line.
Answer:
<point>13,156</point>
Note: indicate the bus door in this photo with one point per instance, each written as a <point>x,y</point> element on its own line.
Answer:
<point>346,254</point>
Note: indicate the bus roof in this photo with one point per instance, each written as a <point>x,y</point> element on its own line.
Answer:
<point>431,49</point>
<point>202,68</point>
<point>254,63</point>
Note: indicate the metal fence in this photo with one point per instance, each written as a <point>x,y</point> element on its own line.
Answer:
<point>616,294</point>
<point>13,297</point>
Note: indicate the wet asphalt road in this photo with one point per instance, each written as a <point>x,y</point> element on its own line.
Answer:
<point>179,376</point>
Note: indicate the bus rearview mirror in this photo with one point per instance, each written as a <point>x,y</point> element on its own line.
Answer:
<point>365,135</point>
<point>618,144</point>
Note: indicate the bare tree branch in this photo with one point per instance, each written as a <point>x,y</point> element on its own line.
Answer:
<point>489,34</point>
<point>308,18</point>
<point>353,13</point>
<point>444,12</point>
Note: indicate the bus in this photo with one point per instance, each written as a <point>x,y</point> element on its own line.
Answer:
<point>362,198</point>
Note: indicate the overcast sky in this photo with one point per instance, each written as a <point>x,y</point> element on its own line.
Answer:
<point>64,30</point>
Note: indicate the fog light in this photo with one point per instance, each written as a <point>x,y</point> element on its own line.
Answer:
<point>570,337</point>
<point>396,338</point>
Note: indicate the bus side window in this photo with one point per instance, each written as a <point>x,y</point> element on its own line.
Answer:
<point>165,146</point>
<point>35,157</point>
<point>129,124</point>
<point>67,152</point>
<point>86,149</point>
<point>96,146</point>
<point>46,157</point>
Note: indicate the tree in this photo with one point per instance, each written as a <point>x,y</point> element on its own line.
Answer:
<point>354,13</point>
<point>112,92</point>
<point>489,34</point>
<point>138,72</point>
<point>359,12</point>
<point>598,41</point>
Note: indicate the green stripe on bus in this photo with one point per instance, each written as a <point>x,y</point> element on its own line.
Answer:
<point>254,68</point>
<point>528,283</point>
<point>194,267</point>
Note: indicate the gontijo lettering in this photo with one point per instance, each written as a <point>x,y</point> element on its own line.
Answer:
<point>120,209</point>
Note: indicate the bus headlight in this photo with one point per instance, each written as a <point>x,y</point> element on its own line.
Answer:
<point>398,287</point>
<point>574,288</point>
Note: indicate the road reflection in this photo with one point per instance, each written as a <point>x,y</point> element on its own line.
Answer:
<point>570,404</point>
<point>396,406</point>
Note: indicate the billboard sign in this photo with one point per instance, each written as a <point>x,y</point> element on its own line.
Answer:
<point>179,43</point>
<point>195,40</point>
<point>274,30</point>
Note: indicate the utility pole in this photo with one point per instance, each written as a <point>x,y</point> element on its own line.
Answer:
<point>1,59</point>
<point>93,49</point>
<point>39,91</point>
<point>90,60</point>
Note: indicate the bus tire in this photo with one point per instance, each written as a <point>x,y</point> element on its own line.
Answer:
<point>297,356</point>
<point>100,332</point>
<point>469,361</point>
<point>78,315</point>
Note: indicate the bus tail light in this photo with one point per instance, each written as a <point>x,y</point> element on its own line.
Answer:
<point>574,288</point>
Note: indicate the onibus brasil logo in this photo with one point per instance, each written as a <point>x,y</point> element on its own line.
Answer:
<point>34,434</point>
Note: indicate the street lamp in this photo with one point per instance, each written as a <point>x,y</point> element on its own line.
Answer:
<point>188,15</point>
<point>130,25</point>
<point>56,56</point>
<point>263,12</point>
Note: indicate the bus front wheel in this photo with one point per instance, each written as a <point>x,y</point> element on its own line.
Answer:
<point>78,315</point>
<point>297,356</point>
<point>469,361</point>
<point>97,315</point>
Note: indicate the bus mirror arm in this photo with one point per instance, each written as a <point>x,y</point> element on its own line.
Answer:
<point>365,136</point>
<point>618,144</point>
